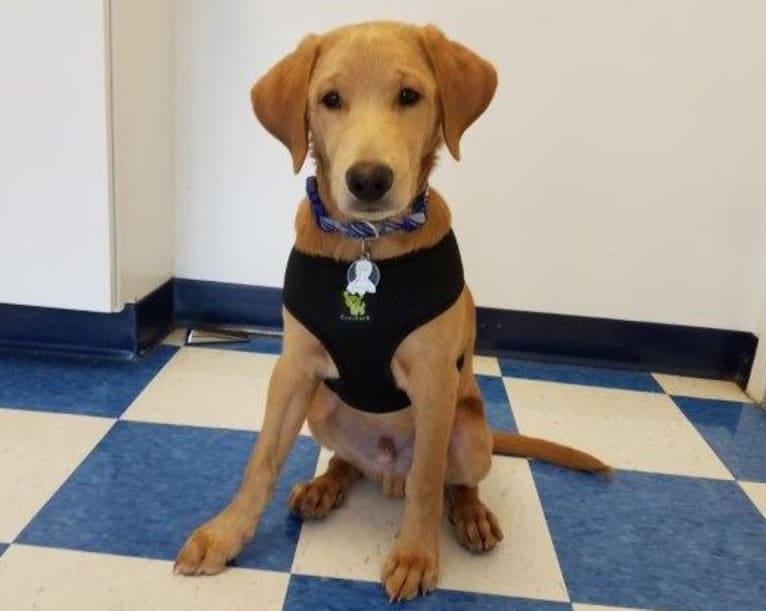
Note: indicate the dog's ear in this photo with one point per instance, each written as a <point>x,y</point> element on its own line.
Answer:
<point>280,99</point>
<point>465,82</point>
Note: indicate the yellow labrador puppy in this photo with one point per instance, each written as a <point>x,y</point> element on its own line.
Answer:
<point>379,325</point>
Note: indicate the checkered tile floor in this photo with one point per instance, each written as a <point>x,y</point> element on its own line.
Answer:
<point>106,466</point>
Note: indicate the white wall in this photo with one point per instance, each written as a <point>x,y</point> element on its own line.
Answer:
<point>142,116</point>
<point>619,172</point>
<point>55,225</point>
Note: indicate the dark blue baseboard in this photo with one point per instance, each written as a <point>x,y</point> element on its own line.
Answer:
<point>662,348</point>
<point>121,334</point>
<point>697,351</point>
<point>683,350</point>
<point>200,301</point>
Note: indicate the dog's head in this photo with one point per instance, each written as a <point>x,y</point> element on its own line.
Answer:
<point>375,100</point>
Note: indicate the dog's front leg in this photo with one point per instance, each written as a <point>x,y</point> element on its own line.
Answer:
<point>212,545</point>
<point>412,565</point>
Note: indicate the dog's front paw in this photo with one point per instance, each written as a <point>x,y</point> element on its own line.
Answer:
<point>410,570</point>
<point>208,549</point>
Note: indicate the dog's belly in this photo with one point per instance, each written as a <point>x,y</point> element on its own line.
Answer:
<point>377,444</point>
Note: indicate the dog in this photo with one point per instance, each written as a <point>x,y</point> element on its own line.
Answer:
<point>379,327</point>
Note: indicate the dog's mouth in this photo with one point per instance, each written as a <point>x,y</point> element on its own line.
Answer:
<point>371,211</point>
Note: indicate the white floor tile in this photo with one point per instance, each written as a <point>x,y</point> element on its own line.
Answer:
<point>700,388</point>
<point>627,429</point>
<point>524,564</point>
<point>486,365</point>
<point>353,541</point>
<point>38,451</point>
<point>757,493</point>
<point>207,387</point>
<point>61,580</point>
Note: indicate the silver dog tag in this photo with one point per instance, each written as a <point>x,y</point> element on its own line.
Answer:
<point>362,277</point>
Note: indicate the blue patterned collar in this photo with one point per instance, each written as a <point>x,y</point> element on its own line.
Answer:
<point>365,229</point>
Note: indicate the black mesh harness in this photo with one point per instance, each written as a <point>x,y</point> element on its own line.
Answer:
<point>362,333</point>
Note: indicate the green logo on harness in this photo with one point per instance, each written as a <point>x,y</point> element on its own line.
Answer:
<point>355,304</point>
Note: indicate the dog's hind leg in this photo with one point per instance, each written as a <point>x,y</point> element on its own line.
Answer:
<point>317,497</point>
<point>476,527</point>
<point>470,456</point>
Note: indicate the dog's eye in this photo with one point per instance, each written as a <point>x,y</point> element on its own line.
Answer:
<point>332,100</point>
<point>408,97</point>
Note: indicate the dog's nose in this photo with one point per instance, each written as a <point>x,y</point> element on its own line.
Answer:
<point>369,181</point>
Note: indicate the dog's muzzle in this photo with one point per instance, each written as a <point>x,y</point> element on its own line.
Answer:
<point>369,181</point>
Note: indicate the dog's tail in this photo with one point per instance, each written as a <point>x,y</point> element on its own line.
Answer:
<point>514,444</point>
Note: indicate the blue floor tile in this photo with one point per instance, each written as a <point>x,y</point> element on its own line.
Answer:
<point>323,594</point>
<point>496,402</point>
<point>146,486</point>
<point>736,431</point>
<point>576,374</point>
<point>76,384</point>
<point>655,541</point>
<point>3,547</point>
